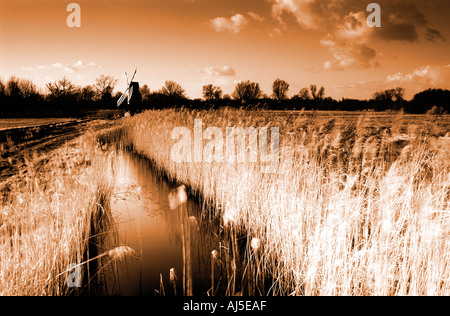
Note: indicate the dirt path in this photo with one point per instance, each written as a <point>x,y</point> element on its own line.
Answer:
<point>16,144</point>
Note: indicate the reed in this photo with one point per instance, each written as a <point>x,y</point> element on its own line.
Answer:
<point>214,255</point>
<point>173,280</point>
<point>161,286</point>
<point>50,219</point>
<point>357,206</point>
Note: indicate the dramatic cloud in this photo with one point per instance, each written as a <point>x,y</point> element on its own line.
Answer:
<point>399,32</point>
<point>400,22</point>
<point>224,71</point>
<point>234,24</point>
<point>344,24</point>
<point>434,35</point>
<point>348,44</point>
<point>301,9</point>
<point>401,19</point>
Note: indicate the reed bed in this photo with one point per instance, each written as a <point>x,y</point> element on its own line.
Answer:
<point>54,215</point>
<point>358,206</point>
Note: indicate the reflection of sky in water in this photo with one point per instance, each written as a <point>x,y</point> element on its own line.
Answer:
<point>145,222</point>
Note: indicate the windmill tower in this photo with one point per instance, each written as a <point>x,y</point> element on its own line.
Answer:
<point>131,99</point>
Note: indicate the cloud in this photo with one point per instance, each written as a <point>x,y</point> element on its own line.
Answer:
<point>346,33</point>
<point>419,79</point>
<point>63,67</point>
<point>79,65</point>
<point>275,32</point>
<point>256,17</point>
<point>422,78</point>
<point>233,25</point>
<point>223,77</point>
<point>398,32</point>
<point>225,71</point>
<point>401,19</point>
<point>426,77</point>
<point>434,35</point>
<point>348,44</point>
<point>75,67</point>
<point>29,69</point>
<point>301,9</point>
<point>405,12</point>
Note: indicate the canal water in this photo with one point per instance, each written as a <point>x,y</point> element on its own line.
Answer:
<point>146,223</point>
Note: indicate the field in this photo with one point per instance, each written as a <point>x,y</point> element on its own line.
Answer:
<point>52,206</point>
<point>6,124</point>
<point>20,143</point>
<point>358,204</point>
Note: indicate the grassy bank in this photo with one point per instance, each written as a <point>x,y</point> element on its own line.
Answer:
<point>359,205</point>
<point>53,215</point>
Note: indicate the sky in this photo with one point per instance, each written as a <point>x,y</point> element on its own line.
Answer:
<point>197,42</point>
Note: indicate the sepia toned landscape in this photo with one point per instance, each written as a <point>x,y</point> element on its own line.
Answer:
<point>325,174</point>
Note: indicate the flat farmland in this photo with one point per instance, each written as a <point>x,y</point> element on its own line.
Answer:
<point>358,205</point>
<point>12,123</point>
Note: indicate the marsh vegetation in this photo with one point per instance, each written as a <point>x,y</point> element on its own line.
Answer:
<point>359,205</point>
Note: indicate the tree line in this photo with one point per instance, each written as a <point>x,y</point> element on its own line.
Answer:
<point>21,97</point>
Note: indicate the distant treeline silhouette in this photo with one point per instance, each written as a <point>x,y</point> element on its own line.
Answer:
<point>21,98</point>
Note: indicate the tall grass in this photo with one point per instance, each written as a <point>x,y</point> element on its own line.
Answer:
<point>360,206</point>
<point>50,217</point>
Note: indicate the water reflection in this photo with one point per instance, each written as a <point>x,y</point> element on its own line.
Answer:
<point>146,223</point>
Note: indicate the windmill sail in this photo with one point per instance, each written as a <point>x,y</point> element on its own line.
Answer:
<point>131,99</point>
<point>122,99</point>
<point>128,94</point>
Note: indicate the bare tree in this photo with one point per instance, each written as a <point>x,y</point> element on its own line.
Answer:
<point>247,91</point>
<point>104,86</point>
<point>391,95</point>
<point>313,89</point>
<point>317,95</point>
<point>173,89</point>
<point>145,92</point>
<point>240,91</point>
<point>211,92</point>
<point>13,88</point>
<point>255,91</point>
<point>87,94</point>
<point>321,94</point>
<point>61,88</point>
<point>304,94</point>
<point>28,89</point>
<point>2,93</point>
<point>399,94</point>
<point>280,89</point>
<point>2,88</point>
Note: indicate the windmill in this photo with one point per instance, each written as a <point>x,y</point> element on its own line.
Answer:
<point>131,99</point>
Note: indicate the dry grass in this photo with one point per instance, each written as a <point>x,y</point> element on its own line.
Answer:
<point>47,219</point>
<point>359,206</point>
